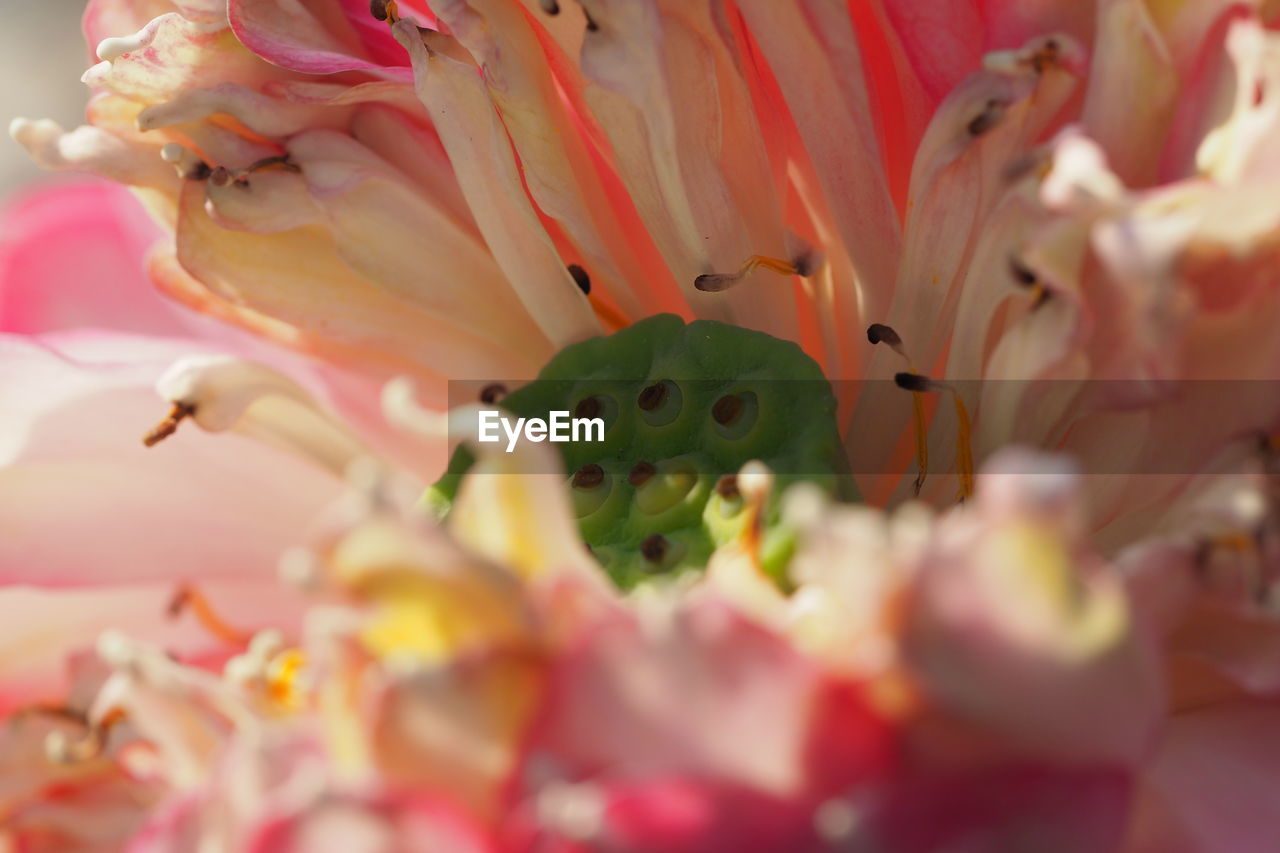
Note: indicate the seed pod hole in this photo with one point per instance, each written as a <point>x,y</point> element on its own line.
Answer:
<point>735,414</point>
<point>660,403</point>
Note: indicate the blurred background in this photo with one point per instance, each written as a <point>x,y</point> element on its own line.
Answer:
<point>42,55</point>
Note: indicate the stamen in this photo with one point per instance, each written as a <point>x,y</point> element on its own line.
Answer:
<point>491,394</point>
<point>878,333</point>
<point>184,160</point>
<point>187,598</point>
<point>716,282</point>
<point>60,748</point>
<point>1026,277</point>
<point>580,278</point>
<point>384,10</point>
<point>917,384</point>
<point>1046,56</point>
<point>987,119</point>
<point>168,426</point>
<point>551,7</point>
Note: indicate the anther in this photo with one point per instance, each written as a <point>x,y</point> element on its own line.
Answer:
<point>1026,277</point>
<point>652,396</point>
<point>551,7</point>
<point>1046,56</point>
<point>727,487</point>
<point>587,408</point>
<point>915,382</point>
<point>654,547</point>
<point>641,473</point>
<point>726,410</point>
<point>589,476</point>
<point>1021,273</point>
<point>987,119</point>
<point>880,333</point>
<point>384,10</point>
<point>168,426</point>
<point>492,393</point>
<point>580,276</point>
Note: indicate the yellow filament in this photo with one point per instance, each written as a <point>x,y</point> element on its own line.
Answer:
<point>964,449</point>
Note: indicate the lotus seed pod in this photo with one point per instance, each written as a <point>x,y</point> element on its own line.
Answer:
<point>684,407</point>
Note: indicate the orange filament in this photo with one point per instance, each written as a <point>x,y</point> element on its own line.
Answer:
<point>964,448</point>
<point>611,318</point>
<point>168,426</point>
<point>187,598</point>
<point>393,12</point>
<point>922,441</point>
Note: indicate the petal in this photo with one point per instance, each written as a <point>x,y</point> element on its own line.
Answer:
<point>481,154</point>
<point>103,282</point>
<point>197,508</point>
<point>1212,784</point>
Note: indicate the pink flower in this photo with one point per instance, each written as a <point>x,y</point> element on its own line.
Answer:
<point>1049,224</point>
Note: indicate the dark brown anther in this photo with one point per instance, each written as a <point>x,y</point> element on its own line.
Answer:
<point>168,426</point>
<point>803,265</point>
<point>1021,273</point>
<point>1046,56</point>
<point>492,393</point>
<point>987,119</point>
<point>587,408</point>
<point>727,487</point>
<point>726,410</point>
<point>640,474</point>
<point>378,8</point>
<point>592,26</point>
<point>551,7</point>
<point>198,172</point>
<point>652,396</point>
<point>654,548</point>
<point>581,279</point>
<point>589,476</point>
<point>914,382</point>
<point>878,332</point>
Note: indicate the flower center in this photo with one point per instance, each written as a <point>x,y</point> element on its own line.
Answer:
<point>684,407</point>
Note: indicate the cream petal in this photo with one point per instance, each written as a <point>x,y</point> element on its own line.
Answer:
<point>562,174</point>
<point>298,278</point>
<point>669,93</point>
<point>490,181</point>
<point>810,45</point>
<point>1129,57</point>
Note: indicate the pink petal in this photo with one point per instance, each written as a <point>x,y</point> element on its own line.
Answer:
<point>197,507</point>
<point>72,254</point>
<point>1213,783</point>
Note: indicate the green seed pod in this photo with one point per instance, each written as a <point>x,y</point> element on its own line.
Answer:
<point>684,407</point>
